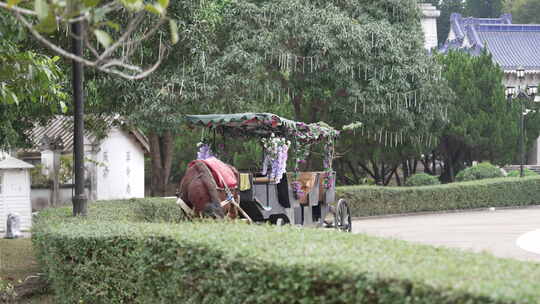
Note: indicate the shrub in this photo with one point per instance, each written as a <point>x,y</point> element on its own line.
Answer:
<point>481,171</point>
<point>500,192</point>
<point>96,260</point>
<point>37,177</point>
<point>422,179</point>
<point>526,172</point>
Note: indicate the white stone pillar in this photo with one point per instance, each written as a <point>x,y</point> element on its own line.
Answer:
<point>429,24</point>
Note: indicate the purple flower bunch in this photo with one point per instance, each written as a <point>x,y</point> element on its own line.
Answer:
<point>279,165</point>
<point>204,151</point>
<point>328,180</point>
<point>327,163</point>
<point>276,157</point>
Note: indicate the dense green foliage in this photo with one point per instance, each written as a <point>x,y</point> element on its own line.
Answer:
<point>116,260</point>
<point>523,11</point>
<point>339,62</point>
<point>422,179</point>
<point>526,172</point>
<point>479,171</point>
<point>500,192</point>
<point>30,85</point>
<point>484,8</point>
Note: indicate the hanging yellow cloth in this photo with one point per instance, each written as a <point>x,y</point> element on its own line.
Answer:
<point>307,180</point>
<point>244,182</point>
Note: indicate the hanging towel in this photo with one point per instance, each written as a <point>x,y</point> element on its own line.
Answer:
<point>245,184</point>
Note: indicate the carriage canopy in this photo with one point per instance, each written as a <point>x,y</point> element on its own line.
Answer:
<point>263,125</point>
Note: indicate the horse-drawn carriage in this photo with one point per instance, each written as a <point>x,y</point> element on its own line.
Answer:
<point>271,194</point>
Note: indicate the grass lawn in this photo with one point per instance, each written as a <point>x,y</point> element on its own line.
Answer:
<point>17,262</point>
<point>17,259</point>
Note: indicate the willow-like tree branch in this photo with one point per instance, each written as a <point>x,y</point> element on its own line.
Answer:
<point>104,61</point>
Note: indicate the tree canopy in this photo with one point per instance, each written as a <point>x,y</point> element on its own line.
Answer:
<point>484,8</point>
<point>523,11</point>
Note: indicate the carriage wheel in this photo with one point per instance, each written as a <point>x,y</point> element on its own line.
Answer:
<point>342,216</point>
<point>279,219</point>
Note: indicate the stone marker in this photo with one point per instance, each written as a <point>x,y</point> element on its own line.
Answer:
<point>13,230</point>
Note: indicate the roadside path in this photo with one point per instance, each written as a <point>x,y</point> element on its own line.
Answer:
<point>496,231</point>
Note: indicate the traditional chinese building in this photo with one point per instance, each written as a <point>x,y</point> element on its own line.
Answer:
<point>512,46</point>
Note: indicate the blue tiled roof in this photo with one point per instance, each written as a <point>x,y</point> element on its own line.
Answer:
<point>513,49</point>
<point>511,45</point>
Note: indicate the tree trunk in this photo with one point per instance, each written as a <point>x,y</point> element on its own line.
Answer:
<point>161,153</point>
<point>353,171</point>
<point>398,180</point>
<point>406,172</point>
<point>297,105</point>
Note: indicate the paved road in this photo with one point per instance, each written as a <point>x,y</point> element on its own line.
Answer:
<point>492,231</point>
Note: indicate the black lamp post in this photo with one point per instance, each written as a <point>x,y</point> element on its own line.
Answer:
<point>522,96</point>
<point>79,200</point>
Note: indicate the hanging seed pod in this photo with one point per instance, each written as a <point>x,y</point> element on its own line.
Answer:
<point>365,72</point>
<point>364,102</point>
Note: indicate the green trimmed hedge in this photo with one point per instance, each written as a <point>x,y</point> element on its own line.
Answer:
<point>103,259</point>
<point>500,192</point>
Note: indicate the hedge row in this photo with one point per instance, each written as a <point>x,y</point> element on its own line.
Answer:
<point>103,259</point>
<point>374,200</point>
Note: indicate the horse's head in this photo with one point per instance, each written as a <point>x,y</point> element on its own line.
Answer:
<point>214,210</point>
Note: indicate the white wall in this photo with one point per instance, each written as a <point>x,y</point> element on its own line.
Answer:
<point>120,172</point>
<point>15,197</point>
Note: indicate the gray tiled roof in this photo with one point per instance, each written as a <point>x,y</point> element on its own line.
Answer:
<point>62,127</point>
<point>14,163</point>
<point>511,45</point>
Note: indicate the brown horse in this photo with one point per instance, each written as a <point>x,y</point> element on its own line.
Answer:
<point>199,191</point>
